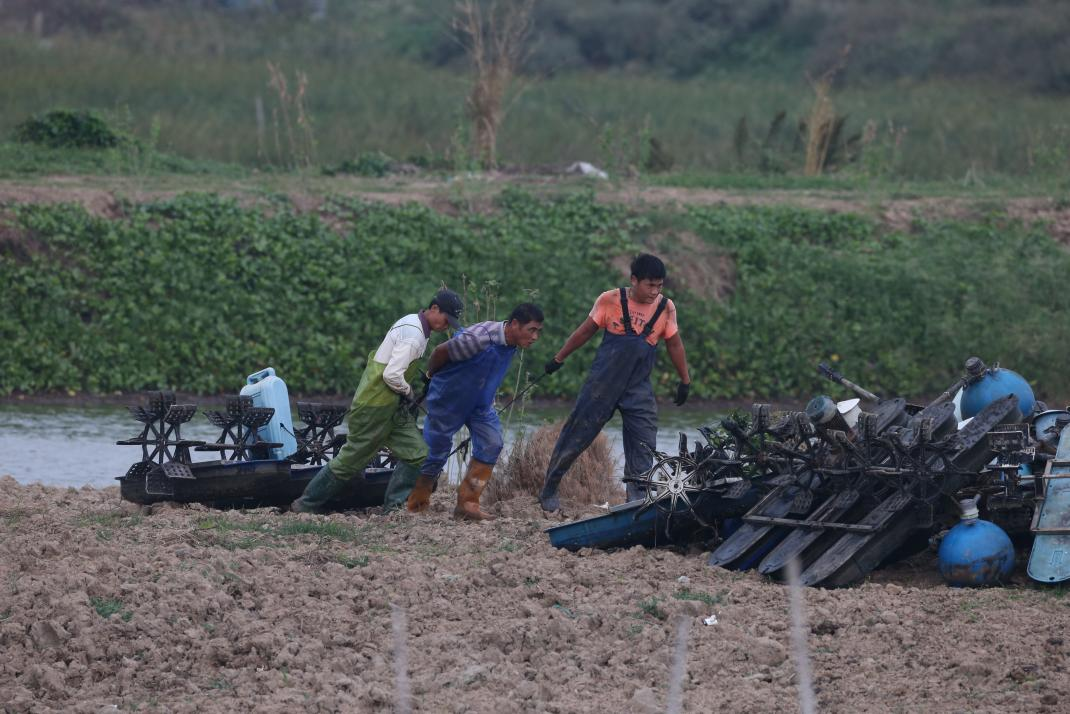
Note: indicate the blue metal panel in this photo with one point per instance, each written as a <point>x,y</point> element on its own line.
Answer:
<point>1050,560</point>
<point>619,527</point>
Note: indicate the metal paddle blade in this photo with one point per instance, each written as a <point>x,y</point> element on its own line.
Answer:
<point>138,470</point>
<point>853,555</point>
<point>802,543</point>
<point>158,484</point>
<point>744,548</point>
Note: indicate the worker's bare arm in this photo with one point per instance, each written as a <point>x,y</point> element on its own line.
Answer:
<point>577,339</point>
<point>675,346</point>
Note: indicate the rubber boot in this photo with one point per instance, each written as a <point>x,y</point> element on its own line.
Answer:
<point>548,499</point>
<point>321,489</point>
<point>400,486</point>
<point>634,492</point>
<point>471,488</point>
<point>420,497</point>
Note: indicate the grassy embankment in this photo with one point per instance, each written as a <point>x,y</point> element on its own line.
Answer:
<point>195,292</point>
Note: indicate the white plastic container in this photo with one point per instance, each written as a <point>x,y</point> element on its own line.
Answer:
<point>267,390</point>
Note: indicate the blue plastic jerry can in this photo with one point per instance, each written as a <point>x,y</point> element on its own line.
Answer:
<point>267,390</point>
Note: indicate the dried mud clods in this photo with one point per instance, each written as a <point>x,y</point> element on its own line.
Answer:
<point>106,606</point>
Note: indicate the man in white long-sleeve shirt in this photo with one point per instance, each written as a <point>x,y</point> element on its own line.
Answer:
<point>383,412</point>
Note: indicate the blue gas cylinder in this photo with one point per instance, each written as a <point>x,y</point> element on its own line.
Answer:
<point>993,384</point>
<point>975,552</point>
<point>267,390</point>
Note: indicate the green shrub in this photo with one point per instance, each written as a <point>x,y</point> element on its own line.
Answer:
<point>66,129</point>
<point>370,163</point>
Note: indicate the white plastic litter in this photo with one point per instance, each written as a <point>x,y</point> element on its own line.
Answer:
<point>586,169</point>
<point>683,580</point>
<point>711,620</point>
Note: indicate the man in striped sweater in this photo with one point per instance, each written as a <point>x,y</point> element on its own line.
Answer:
<point>465,373</point>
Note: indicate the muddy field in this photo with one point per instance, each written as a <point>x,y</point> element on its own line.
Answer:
<point>106,606</point>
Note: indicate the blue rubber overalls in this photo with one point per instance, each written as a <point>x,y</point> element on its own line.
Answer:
<point>462,394</point>
<point>619,380</point>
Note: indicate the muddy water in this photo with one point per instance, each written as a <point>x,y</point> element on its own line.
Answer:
<point>75,446</point>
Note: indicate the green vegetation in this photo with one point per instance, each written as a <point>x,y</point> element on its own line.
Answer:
<point>372,163</point>
<point>650,607</point>
<point>705,598</point>
<point>106,523</point>
<point>198,291</point>
<point>220,683</point>
<point>112,519</point>
<point>106,607</point>
<point>11,517</point>
<point>130,159</point>
<point>966,91</point>
<point>566,611</point>
<point>62,129</point>
<point>351,562</point>
<point>323,529</point>
<point>329,530</point>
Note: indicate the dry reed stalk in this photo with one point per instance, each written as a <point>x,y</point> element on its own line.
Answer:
<point>301,152</point>
<point>304,119</point>
<point>592,478</point>
<point>678,671</point>
<point>400,631</point>
<point>800,651</point>
<point>258,108</point>
<point>821,123</point>
<point>819,128</point>
<point>278,82</point>
<point>494,39</point>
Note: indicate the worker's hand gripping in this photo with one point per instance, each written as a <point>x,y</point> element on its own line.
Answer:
<point>553,365</point>
<point>411,403</point>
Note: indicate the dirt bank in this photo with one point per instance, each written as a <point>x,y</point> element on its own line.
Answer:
<point>104,196</point>
<point>105,605</point>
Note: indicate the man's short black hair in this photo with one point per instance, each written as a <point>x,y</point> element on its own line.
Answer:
<point>648,267</point>
<point>526,312</point>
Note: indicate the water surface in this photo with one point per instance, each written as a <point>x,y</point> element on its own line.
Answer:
<point>75,445</point>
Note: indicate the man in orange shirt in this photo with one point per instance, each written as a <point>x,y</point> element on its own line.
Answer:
<point>634,319</point>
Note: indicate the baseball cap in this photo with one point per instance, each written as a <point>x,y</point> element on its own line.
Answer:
<point>451,304</point>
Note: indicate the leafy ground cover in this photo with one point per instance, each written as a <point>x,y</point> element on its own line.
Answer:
<point>194,291</point>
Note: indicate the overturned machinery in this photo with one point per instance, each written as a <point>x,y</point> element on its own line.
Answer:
<point>843,488</point>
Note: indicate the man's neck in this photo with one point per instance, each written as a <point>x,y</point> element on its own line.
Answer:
<point>633,298</point>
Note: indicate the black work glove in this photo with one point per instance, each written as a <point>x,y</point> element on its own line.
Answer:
<point>425,380</point>
<point>682,390</point>
<point>552,366</point>
<point>411,403</point>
